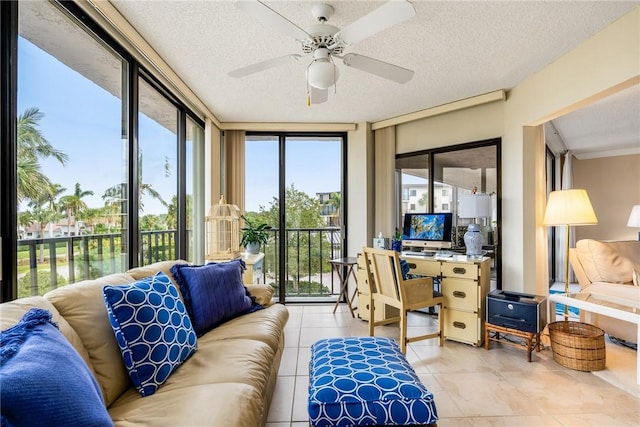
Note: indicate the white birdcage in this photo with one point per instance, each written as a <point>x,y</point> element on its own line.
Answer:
<point>223,231</point>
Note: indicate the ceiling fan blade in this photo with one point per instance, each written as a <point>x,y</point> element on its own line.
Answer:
<point>264,65</point>
<point>264,13</point>
<point>318,96</point>
<point>386,16</point>
<point>379,68</point>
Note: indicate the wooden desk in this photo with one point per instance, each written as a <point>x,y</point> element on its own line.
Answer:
<point>464,283</point>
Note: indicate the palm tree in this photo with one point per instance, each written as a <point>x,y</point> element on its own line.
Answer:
<point>25,219</point>
<point>53,194</point>
<point>44,215</point>
<point>33,147</point>
<point>172,212</point>
<point>335,200</point>
<point>73,203</point>
<point>117,193</point>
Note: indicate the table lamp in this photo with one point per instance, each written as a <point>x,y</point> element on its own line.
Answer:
<point>567,208</point>
<point>634,218</point>
<point>474,206</point>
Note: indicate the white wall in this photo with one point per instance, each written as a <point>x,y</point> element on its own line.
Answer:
<point>613,184</point>
<point>359,188</point>
<point>471,124</point>
<point>607,62</point>
<point>604,64</point>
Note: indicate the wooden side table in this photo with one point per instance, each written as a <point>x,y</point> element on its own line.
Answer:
<point>532,338</point>
<point>338,264</point>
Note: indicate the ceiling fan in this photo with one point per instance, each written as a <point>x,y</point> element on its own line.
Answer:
<point>324,43</point>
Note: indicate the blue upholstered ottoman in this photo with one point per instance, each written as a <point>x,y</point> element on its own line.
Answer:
<point>365,381</point>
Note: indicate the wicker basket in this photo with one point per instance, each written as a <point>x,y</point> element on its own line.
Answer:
<point>577,345</point>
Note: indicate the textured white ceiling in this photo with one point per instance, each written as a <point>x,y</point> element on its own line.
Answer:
<point>457,50</point>
<point>608,127</point>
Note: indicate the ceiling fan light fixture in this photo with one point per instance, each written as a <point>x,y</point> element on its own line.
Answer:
<point>322,74</point>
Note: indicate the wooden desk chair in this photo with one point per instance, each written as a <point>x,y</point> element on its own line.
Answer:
<point>388,287</point>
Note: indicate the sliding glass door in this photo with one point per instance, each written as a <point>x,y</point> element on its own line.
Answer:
<point>294,183</point>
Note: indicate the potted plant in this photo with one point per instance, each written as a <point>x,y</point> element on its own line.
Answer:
<point>254,235</point>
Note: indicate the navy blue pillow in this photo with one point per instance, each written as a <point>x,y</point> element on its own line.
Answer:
<point>152,327</point>
<point>213,293</point>
<point>43,380</point>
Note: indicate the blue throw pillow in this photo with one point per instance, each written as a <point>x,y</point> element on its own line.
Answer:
<point>152,328</point>
<point>43,380</point>
<point>213,293</point>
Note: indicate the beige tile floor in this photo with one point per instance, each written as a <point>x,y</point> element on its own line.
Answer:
<point>472,386</point>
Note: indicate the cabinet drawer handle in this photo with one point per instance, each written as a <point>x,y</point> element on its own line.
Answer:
<point>459,294</point>
<point>459,325</point>
<point>411,265</point>
<point>459,270</point>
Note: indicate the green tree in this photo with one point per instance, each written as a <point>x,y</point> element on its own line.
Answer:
<point>25,219</point>
<point>151,222</point>
<point>44,215</point>
<point>424,199</point>
<point>302,212</point>
<point>335,200</point>
<point>90,216</point>
<point>118,193</point>
<point>73,205</point>
<point>172,212</point>
<point>32,148</point>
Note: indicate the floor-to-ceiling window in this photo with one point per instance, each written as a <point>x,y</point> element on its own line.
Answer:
<point>306,172</point>
<point>107,164</point>
<point>157,172</point>
<point>436,180</point>
<point>71,152</point>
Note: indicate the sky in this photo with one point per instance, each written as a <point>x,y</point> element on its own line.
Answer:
<point>312,167</point>
<point>84,121</point>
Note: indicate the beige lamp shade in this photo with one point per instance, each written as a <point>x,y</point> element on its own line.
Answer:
<point>634,217</point>
<point>475,206</point>
<point>569,207</point>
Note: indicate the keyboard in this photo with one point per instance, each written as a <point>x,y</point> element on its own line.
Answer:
<point>410,253</point>
<point>445,254</point>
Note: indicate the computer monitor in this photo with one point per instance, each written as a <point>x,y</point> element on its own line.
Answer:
<point>427,230</point>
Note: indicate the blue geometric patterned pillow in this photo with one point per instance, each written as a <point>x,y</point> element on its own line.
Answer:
<point>43,380</point>
<point>152,328</point>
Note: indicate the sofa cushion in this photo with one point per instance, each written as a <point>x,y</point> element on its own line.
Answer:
<point>265,325</point>
<point>44,380</point>
<point>211,405</point>
<point>11,312</point>
<point>152,328</point>
<point>262,293</point>
<point>218,362</point>
<point>82,305</point>
<point>611,262</point>
<point>213,293</point>
<point>151,269</point>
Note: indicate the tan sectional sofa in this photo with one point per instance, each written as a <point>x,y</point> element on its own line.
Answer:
<point>608,268</point>
<point>228,381</point>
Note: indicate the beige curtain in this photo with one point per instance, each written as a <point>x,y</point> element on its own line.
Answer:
<point>234,168</point>
<point>384,167</point>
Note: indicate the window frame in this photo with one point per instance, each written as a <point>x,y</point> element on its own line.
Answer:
<point>9,19</point>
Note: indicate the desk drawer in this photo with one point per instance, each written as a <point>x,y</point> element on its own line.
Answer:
<point>423,267</point>
<point>460,270</point>
<point>462,326</point>
<point>460,294</point>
